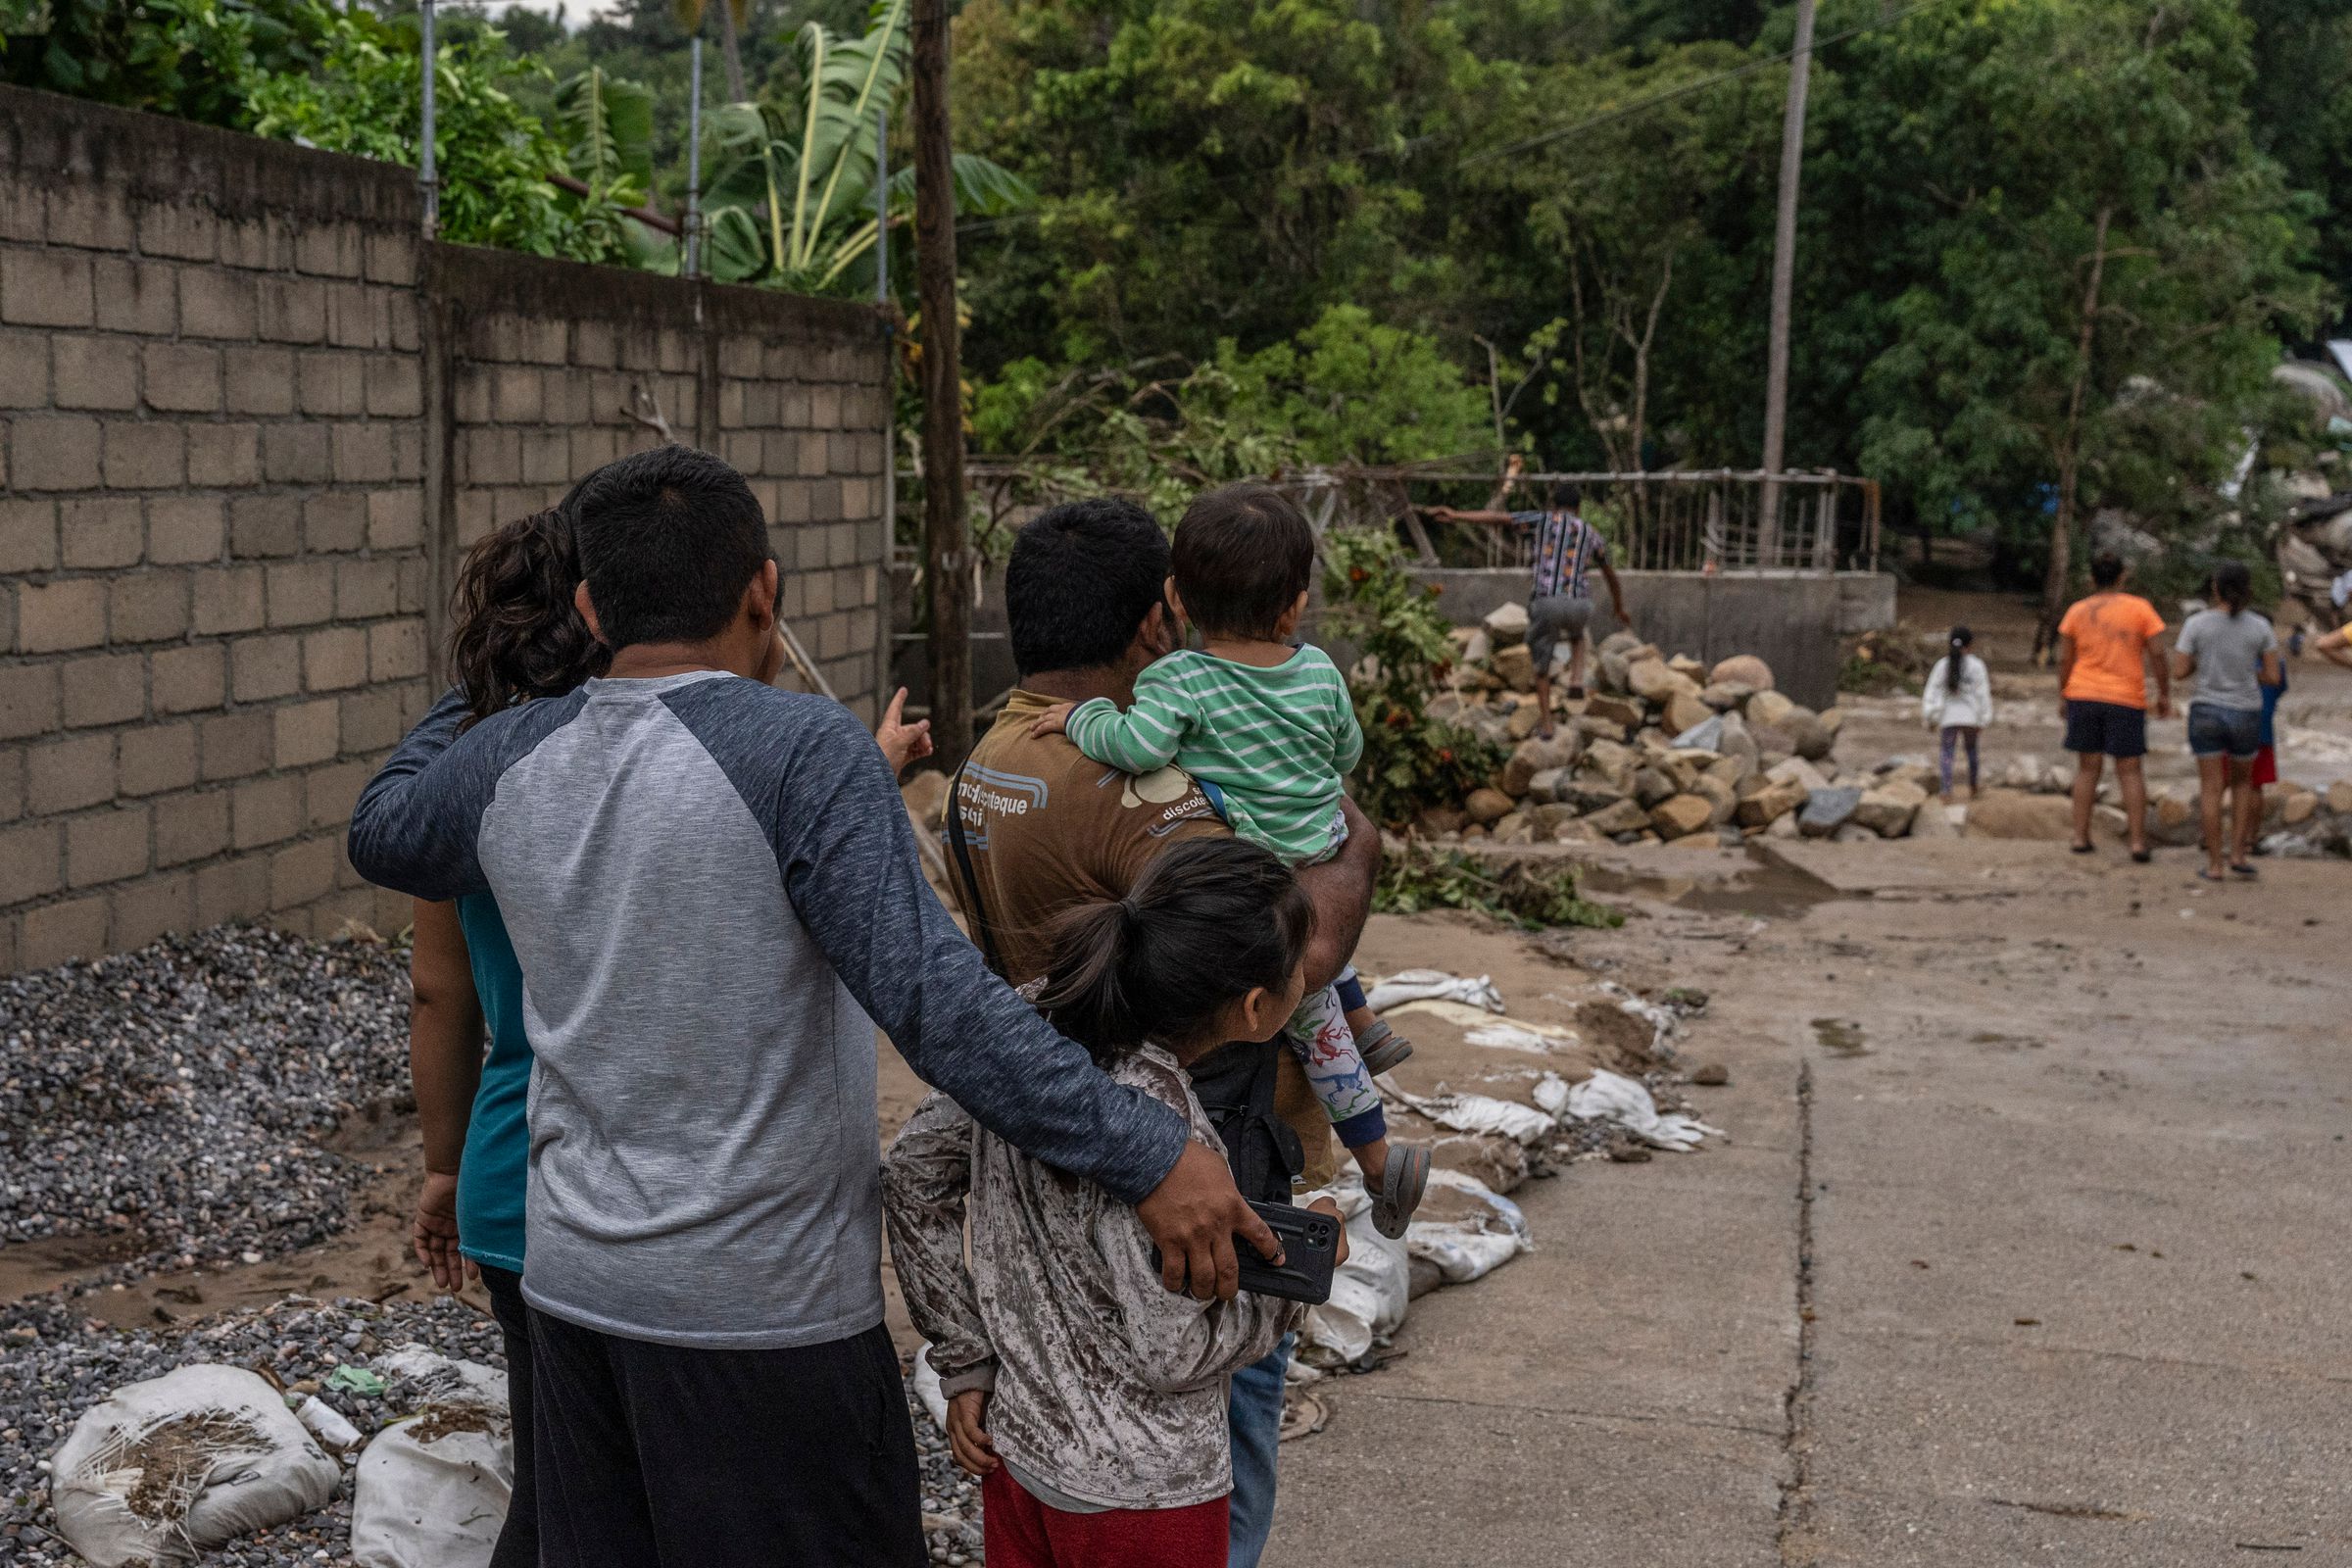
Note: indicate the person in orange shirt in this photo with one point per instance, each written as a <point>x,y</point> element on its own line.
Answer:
<point>2106,651</point>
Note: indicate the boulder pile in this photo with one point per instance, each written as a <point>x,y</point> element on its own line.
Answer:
<point>1665,749</point>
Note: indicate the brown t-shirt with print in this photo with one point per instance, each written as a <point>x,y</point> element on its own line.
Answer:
<point>1046,829</point>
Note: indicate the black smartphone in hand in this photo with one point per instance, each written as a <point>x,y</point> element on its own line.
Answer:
<point>1310,1246</point>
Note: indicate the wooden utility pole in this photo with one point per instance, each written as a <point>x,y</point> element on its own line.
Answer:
<point>1783,281</point>
<point>947,537</point>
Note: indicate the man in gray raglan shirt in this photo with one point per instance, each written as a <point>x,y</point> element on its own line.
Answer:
<point>713,892</point>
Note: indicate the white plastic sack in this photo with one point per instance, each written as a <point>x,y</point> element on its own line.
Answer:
<point>927,1389</point>
<point>1466,1250</point>
<point>1426,985</point>
<point>431,1490</point>
<point>1483,1113</point>
<point>1614,1098</point>
<point>1537,1038</point>
<point>1368,1292</point>
<point>1663,1024</point>
<point>168,1467</point>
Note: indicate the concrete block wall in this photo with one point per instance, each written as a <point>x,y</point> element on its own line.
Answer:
<point>213,564</point>
<point>248,424</point>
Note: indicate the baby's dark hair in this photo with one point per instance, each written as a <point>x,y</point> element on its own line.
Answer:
<point>1243,556</point>
<point>519,635</point>
<point>1208,922</point>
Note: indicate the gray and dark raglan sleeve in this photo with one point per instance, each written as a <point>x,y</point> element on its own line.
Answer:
<point>416,825</point>
<point>822,793</point>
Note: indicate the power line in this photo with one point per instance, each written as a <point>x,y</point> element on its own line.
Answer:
<point>1639,105</point>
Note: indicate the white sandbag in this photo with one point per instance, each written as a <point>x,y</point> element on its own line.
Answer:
<point>1551,1095</point>
<point>1613,1098</point>
<point>431,1490</point>
<point>1536,1039</point>
<point>1460,1014</point>
<point>1466,1250</point>
<point>163,1469</point>
<point>1426,985</point>
<point>1368,1292</point>
<point>1483,1113</point>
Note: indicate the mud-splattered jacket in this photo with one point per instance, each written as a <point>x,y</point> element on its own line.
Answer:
<point>1107,1387</point>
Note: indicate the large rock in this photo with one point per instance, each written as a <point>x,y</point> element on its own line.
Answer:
<point>2339,797</point>
<point>1806,734</point>
<point>1622,641</point>
<point>1887,810</point>
<point>1735,740</point>
<point>1610,761</point>
<point>1486,805</point>
<point>1610,671</point>
<point>1933,821</point>
<point>1705,736</point>
<point>1743,669</point>
<point>1772,744</point>
<point>1797,770</point>
<point>1600,729</point>
<point>1725,698</point>
<point>1625,817</point>
<point>1654,681</point>
<point>1685,664</point>
<point>1832,719</point>
<point>1682,814</point>
<point>1652,784</point>
<point>2171,819</point>
<point>1684,711</point>
<point>1718,793</point>
<point>1548,818</point>
<point>1587,795</point>
<point>1506,625</point>
<point>1768,707</point>
<point>1513,828</point>
<point>2013,814</point>
<point>1627,717</point>
<point>1516,667</point>
<point>1533,757</point>
<point>1769,804</point>
<point>2298,807</point>
<point>1523,721</point>
<point>1826,810</point>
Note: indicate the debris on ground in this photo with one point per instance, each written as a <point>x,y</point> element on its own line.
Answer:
<point>59,1364</point>
<point>177,1101</point>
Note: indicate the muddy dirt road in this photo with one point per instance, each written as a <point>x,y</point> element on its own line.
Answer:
<point>2027,1246</point>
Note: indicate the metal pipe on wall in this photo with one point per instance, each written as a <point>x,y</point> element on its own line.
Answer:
<point>692,262</point>
<point>427,180</point>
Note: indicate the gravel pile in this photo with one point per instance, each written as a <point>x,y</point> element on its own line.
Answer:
<point>176,1098</point>
<point>55,1363</point>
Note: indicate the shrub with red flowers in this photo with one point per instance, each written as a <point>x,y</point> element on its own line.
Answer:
<point>1411,760</point>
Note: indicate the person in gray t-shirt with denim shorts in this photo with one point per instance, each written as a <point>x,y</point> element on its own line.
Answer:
<point>2233,651</point>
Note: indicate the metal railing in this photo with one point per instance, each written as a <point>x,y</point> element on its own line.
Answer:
<point>1719,520</point>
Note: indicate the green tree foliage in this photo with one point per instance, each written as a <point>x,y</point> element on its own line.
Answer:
<point>1411,760</point>
<point>2109,256</point>
<point>192,58</point>
<point>791,202</point>
<point>493,155</point>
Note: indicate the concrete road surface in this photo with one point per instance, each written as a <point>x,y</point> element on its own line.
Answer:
<point>2030,1246</point>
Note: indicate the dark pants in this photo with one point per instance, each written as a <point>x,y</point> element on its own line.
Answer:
<point>655,1456</point>
<point>518,1539</point>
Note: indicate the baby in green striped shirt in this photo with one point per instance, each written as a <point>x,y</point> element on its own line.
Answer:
<point>1268,728</point>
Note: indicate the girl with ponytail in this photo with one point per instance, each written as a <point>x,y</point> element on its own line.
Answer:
<point>1088,1398</point>
<point>2233,654</point>
<point>1957,702</point>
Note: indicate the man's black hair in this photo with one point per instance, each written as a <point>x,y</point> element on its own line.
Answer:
<point>2106,569</point>
<point>668,540</point>
<point>1082,578</point>
<point>1243,556</point>
<point>1565,497</point>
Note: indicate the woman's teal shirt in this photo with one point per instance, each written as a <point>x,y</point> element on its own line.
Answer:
<point>498,1139</point>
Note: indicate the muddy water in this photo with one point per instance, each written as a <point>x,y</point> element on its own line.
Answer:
<point>1767,890</point>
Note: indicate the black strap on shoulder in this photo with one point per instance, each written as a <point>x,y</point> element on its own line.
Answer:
<point>973,909</point>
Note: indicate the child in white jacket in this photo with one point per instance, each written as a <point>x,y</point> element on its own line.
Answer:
<point>1958,702</point>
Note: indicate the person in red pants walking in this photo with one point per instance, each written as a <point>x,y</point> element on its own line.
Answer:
<point>1087,1395</point>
